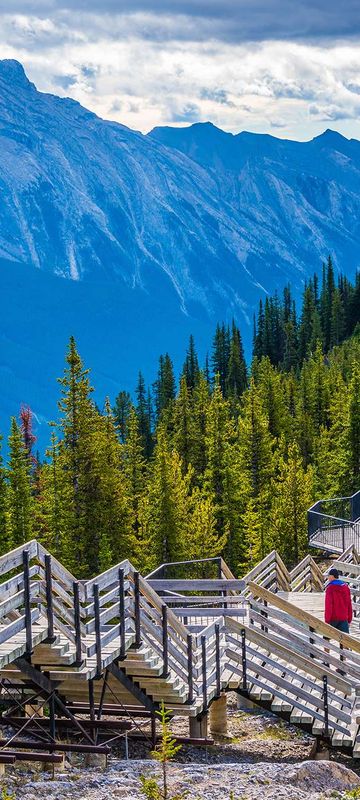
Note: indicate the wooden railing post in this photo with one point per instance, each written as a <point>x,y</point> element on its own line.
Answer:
<point>27,603</point>
<point>217,659</point>
<point>164,616</point>
<point>243,660</point>
<point>137,610</point>
<point>97,629</point>
<point>204,676</point>
<point>49,598</point>
<point>122,613</point>
<point>190,668</point>
<point>77,623</point>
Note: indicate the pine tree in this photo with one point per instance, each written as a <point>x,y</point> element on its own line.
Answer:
<point>200,402</point>
<point>236,379</point>
<point>293,495</point>
<point>19,491</point>
<point>221,355</point>
<point>191,366</point>
<point>337,324</point>
<point>121,413</point>
<point>165,385</point>
<point>144,415</point>
<point>219,480</point>
<point>78,419</point>
<point>354,428</point>
<point>184,430</point>
<point>203,539</point>
<point>255,469</point>
<point>259,334</point>
<point>135,472</point>
<point>165,507</point>
<point>5,540</point>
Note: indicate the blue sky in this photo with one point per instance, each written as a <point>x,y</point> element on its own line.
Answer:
<point>286,67</point>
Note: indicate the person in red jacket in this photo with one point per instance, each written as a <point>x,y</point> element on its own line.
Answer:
<point>338,608</point>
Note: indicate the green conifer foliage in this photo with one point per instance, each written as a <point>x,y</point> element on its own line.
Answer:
<point>144,416</point>
<point>121,413</point>
<point>354,428</point>
<point>191,366</point>
<point>5,539</point>
<point>19,491</point>
<point>165,508</point>
<point>236,379</point>
<point>293,495</point>
<point>135,473</point>
<point>255,466</point>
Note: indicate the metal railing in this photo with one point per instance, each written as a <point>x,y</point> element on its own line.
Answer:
<point>334,524</point>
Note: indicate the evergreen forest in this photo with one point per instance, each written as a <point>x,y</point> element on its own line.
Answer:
<point>226,460</point>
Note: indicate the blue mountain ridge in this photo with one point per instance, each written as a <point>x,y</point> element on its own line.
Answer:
<point>131,241</point>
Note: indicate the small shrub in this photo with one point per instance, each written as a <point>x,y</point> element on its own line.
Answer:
<point>164,752</point>
<point>6,796</point>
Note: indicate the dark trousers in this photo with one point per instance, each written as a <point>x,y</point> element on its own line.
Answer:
<point>340,625</point>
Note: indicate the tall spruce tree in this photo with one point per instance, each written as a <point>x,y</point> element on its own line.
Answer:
<point>221,355</point>
<point>144,416</point>
<point>121,411</point>
<point>19,491</point>
<point>236,379</point>
<point>5,538</point>
<point>293,495</point>
<point>354,428</point>
<point>191,366</point>
<point>165,385</point>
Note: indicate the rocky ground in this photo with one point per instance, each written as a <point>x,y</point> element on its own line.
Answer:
<point>261,758</point>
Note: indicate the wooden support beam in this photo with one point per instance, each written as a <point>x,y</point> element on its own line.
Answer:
<point>132,687</point>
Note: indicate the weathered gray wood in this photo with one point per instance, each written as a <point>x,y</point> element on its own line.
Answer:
<point>308,665</point>
<point>274,681</point>
<point>8,631</point>
<point>58,570</point>
<point>319,626</point>
<point>197,585</point>
<point>292,676</point>
<point>88,610</point>
<point>231,599</point>
<point>303,646</point>
<point>107,578</point>
<point>14,558</point>
<point>154,600</point>
<point>210,612</point>
<point>301,706</point>
<point>109,613</point>
<point>17,600</point>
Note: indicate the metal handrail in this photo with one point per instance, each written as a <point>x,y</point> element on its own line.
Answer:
<point>182,563</point>
<point>330,516</point>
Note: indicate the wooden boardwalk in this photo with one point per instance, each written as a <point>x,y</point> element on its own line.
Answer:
<point>101,655</point>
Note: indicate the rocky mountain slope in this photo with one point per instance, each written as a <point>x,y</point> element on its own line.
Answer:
<point>131,242</point>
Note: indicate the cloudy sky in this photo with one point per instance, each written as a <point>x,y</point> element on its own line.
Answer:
<point>286,67</point>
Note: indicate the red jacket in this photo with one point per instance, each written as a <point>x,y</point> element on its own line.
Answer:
<point>338,606</point>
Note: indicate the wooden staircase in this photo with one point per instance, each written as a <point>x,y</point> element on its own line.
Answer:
<point>98,654</point>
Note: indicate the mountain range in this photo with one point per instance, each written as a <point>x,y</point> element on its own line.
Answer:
<point>131,241</point>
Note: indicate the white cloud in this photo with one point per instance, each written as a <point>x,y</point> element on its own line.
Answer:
<point>123,67</point>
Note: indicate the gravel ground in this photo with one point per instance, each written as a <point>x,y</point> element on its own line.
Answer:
<point>311,780</point>
<point>260,758</point>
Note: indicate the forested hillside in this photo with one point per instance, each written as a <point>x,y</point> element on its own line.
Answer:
<point>226,462</point>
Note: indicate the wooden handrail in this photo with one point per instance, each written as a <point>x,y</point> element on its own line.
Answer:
<point>14,558</point>
<point>308,665</point>
<point>304,616</point>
